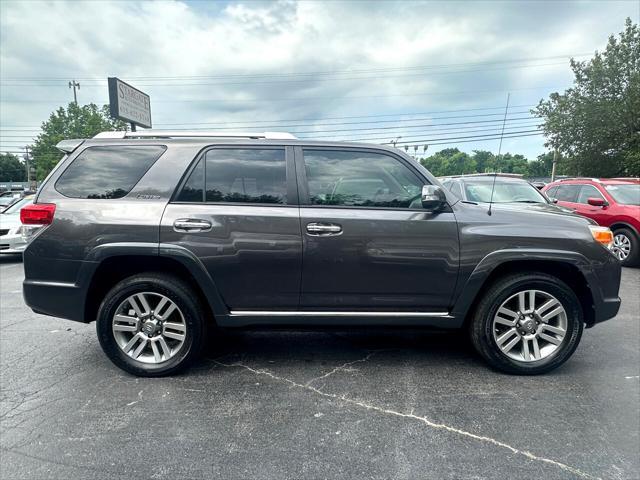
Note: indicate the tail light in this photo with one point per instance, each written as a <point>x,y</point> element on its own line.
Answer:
<point>38,214</point>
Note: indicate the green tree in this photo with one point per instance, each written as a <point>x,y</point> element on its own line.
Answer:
<point>12,169</point>
<point>450,161</point>
<point>485,161</point>
<point>596,123</point>
<point>73,122</point>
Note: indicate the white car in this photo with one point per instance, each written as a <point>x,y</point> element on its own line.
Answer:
<point>13,235</point>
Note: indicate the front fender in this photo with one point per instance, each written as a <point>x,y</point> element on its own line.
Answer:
<point>489,263</point>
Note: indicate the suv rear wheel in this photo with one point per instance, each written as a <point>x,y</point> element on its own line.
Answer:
<point>625,247</point>
<point>527,324</point>
<point>151,325</point>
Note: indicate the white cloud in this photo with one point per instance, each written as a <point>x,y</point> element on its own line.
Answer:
<point>89,41</point>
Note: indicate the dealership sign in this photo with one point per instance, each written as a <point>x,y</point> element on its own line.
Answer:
<point>128,103</point>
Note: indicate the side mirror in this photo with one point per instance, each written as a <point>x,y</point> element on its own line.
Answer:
<point>553,200</point>
<point>597,202</point>
<point>433,198</point>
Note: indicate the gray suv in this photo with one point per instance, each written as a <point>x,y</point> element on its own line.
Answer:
<point>161,236</point>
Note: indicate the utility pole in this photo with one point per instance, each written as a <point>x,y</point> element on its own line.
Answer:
<point>27,157</point>
<point>555,162</point>
<point>73,84</point>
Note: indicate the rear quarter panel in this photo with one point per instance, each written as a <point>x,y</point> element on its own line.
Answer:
<point>82,226</point>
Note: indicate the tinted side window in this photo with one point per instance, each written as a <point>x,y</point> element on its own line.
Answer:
<point>551,193</point>
<point>568,193</point>
<point>193,189</point>
<point>360,179</point>
<point>107,172</point>
<point>246,176</point>
<point>587,192</point>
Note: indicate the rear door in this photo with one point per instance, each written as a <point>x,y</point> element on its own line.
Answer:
<point>567,195</point>
<point>237,212</point>
<point>368,243</point>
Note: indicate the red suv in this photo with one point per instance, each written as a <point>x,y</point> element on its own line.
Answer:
<point>613,203</point>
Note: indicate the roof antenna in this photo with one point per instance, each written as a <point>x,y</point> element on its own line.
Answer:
<point>495,174</point>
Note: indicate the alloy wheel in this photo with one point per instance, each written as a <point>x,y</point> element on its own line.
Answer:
<point>149,327</point>
<point>621,246</point>
<point>530,325</point>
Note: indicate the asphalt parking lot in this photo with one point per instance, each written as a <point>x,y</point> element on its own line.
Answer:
<point>276,405</point>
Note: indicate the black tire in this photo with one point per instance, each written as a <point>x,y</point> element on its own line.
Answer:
<point>481,325</point>
<point>633,259</point>
<point>177,291</point>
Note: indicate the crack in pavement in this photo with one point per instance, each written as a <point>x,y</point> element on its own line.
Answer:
<point>412,416</point>
<point>344,366</point>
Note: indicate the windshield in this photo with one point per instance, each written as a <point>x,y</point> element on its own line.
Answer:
<point>625,194</point>
<point>505,192</point>
<point>15,208</point>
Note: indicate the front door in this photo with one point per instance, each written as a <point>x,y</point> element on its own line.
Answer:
<point>237,212</point>
<point>368,243</point>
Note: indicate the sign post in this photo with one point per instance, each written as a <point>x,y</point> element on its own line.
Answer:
<point>129,104</point>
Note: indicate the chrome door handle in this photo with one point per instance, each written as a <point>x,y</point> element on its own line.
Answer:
<point>323,229</point>
<point>191,225</point>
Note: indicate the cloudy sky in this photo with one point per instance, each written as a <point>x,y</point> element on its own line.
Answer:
<point>434,73</point>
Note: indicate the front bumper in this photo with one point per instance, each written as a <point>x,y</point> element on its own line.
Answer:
<point>607,309</point>
<point>604,282</point>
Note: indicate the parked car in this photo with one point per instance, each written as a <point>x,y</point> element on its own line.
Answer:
<point>509,188</point>
<point>14,235</point>
<point>7,198</point>
<point>613,203</point>
<point>159,236</point>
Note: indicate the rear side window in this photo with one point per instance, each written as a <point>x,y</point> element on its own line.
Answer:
<point>107,172</point>
<point>567,193</point>
<point>232,175</point>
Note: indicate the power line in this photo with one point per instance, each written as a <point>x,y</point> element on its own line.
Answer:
<point>411,126</point>
<point>183,83</point>
<point>367,136</point>
<point>485,137</point>
<point>440,142</point>
<point>345,131</point>
<point>303,99</point>
<point>322,118</point>
<point>315,124</point>
<point>434,127</point>
<point>312,73</point>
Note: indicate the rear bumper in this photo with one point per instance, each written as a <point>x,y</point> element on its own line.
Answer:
<point>12,244</point>
<point>63,300</point>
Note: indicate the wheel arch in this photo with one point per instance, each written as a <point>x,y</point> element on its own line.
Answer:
<point>621,224</point>
<point>569,267</point>
<point>109,269</point>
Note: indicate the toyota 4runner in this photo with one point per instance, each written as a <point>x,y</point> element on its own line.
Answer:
<point>158,236</point>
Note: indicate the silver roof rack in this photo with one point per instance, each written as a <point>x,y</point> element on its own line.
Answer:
<point>195,134</point>
<point>492,174</point>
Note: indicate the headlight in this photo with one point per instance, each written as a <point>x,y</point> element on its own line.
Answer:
<point>602,235</point>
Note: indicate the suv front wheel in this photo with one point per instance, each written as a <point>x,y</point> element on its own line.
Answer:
<point>527,324</point>
<point>151,325</point>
